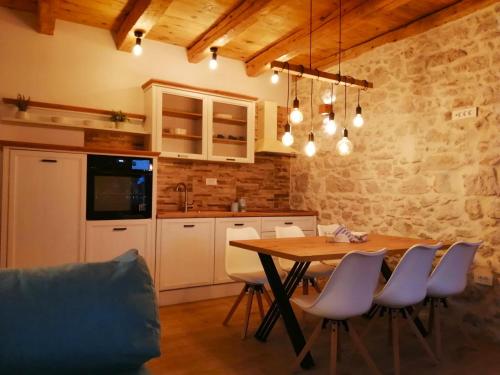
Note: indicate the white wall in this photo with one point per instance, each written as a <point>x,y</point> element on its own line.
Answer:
<point>80,66</point>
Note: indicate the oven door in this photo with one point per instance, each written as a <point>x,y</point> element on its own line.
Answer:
<point>119,194</point>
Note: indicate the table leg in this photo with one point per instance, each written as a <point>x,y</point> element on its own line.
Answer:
<point>282,293</point>
<point>386,272</point>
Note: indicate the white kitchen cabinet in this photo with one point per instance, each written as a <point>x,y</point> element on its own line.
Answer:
<point>107,239</point>
<point>306,223</point>
<point>221,226</point>
<point>186,252</point>
<point>196,124</point>
<point>46,208</point>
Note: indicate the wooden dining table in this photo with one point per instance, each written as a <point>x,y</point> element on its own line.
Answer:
<point>303,251</point>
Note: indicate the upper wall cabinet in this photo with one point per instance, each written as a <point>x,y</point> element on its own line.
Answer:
<point>191,124</point>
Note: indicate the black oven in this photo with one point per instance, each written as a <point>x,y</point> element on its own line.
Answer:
<point>119,187</point>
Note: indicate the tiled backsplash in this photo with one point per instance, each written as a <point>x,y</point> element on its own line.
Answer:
<point>265,184</point>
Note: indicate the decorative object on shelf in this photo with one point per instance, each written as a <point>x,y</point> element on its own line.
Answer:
<point>22,104</point>
<point>232,137</point>
<point>358,120</point>
<point>275,78</point>
<point>225,116</point>
<point>137,50</point>
<point>243,204</point>
<point>59,119</point>
<point>242,138</point>
<point>220,136</point>
<point>213,64</point>
<point>180,131</point>
<point>235,206</point>
<point>119,118</point>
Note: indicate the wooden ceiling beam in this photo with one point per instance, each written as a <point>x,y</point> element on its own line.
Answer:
<point>47,16</point>
<point>418,26</point>
<point>232,23</point>
<point>353,13</point>
<point>143,15</point>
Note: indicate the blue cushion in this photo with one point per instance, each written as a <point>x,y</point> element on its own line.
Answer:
<point>79,318</point>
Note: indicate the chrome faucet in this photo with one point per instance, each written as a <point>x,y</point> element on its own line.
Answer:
<point>181,187</point>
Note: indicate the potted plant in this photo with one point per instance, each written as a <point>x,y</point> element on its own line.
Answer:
<point>118,117</point>
<point>22,104</point>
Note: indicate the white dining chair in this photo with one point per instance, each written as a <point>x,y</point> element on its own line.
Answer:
<point>347,293</point>
<point>245,266</point>
<point>315,269</point>
<point>323,229</point>
<point>406,287</point>
<point>449,278</point>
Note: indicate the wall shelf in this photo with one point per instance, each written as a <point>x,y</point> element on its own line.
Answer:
<point>230,121</point>
<point>229,141</point>
<point>181,136</point>
<point>74,124</point>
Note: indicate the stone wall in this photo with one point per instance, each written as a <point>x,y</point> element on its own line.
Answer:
<point>414,171</point>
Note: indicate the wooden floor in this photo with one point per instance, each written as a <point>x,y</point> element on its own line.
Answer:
<point>195,342</point>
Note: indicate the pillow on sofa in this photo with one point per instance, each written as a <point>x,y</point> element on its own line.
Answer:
<point>79,318</point>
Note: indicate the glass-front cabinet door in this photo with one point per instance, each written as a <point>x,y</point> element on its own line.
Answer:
<point>231,130</point>
<point>183,124</point>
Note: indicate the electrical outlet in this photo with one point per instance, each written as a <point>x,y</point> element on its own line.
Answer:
<point>483,276</point>
<point>211,181</point>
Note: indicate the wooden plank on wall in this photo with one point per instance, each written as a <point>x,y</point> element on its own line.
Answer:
<point>47,16</point>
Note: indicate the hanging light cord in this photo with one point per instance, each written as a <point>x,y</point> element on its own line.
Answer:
<point>345,105</point>
<point>310,59</point>
<point>340,32</point>
<point>287,90</point>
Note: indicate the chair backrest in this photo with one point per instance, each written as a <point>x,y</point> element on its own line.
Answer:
<point>325,228</point>
<point>408,283</point>
<point>450,275</point>
<point>349,290</point>
<point>240,260</point>
<point>288,232</point>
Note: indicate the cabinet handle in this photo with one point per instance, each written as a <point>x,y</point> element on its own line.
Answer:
<point>238,224</point>
<point>48,161</point>
<point>188,225</point>
<point>288,222</point>
<point>230,159</point>
<point>119,229</point>
<point>182,156</point>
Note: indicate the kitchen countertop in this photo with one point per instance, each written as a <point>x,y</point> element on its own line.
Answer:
<point>202,214</point>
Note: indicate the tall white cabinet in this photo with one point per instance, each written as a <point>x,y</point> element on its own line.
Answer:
<point>45,208</point>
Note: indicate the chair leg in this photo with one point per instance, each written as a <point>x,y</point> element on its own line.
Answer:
<point>370,322</point>
<point>305,287</point>
<point>422,341</point>
<point>267,296</point>
<point>339,342</point>
<point>333,347</point>
<point>395,339</point>
<point>308,345</point>
<point>314,283</point>
<point>430,321</point>
<point>249,310</point>
<point>259,302</point>
<point>437,330</point>
<point>362,349</point>
<point>235,305</point>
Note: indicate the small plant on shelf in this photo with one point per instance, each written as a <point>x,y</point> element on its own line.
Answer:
<point>118,117</point>
<point>22,104</point>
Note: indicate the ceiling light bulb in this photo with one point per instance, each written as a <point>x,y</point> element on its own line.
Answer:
<point>310,146</point>
<point>137,49</point>
<point>328,97</point>
<point>330,125</point>
<point>213,64</point>
<point>358,119</point>
<point>287,138</point>
<point>275,78</point>
<point>344,146</point>
<point>296,116</point>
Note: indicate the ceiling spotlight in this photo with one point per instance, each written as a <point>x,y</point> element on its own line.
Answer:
<point>212,64</point>
<point>137,50</point>
<point>275,78</point>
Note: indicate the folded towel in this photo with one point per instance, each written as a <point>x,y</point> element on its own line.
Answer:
<point>342,234</point>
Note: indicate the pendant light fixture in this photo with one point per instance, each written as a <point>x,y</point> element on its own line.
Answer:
<point>330,125</point>
<point>358,120</point>
<point>287,138</point>
<point>213,64</point>
<point>296,116</point>
<point>137,50</point>
<point>275,78</point>
<point>310,148</point>
<point>344,146</point>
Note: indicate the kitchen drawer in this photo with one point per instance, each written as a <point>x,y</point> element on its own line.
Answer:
<point>306,223</point>
<point>221,226</point>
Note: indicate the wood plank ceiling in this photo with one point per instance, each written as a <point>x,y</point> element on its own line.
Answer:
<point>254,31</point>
